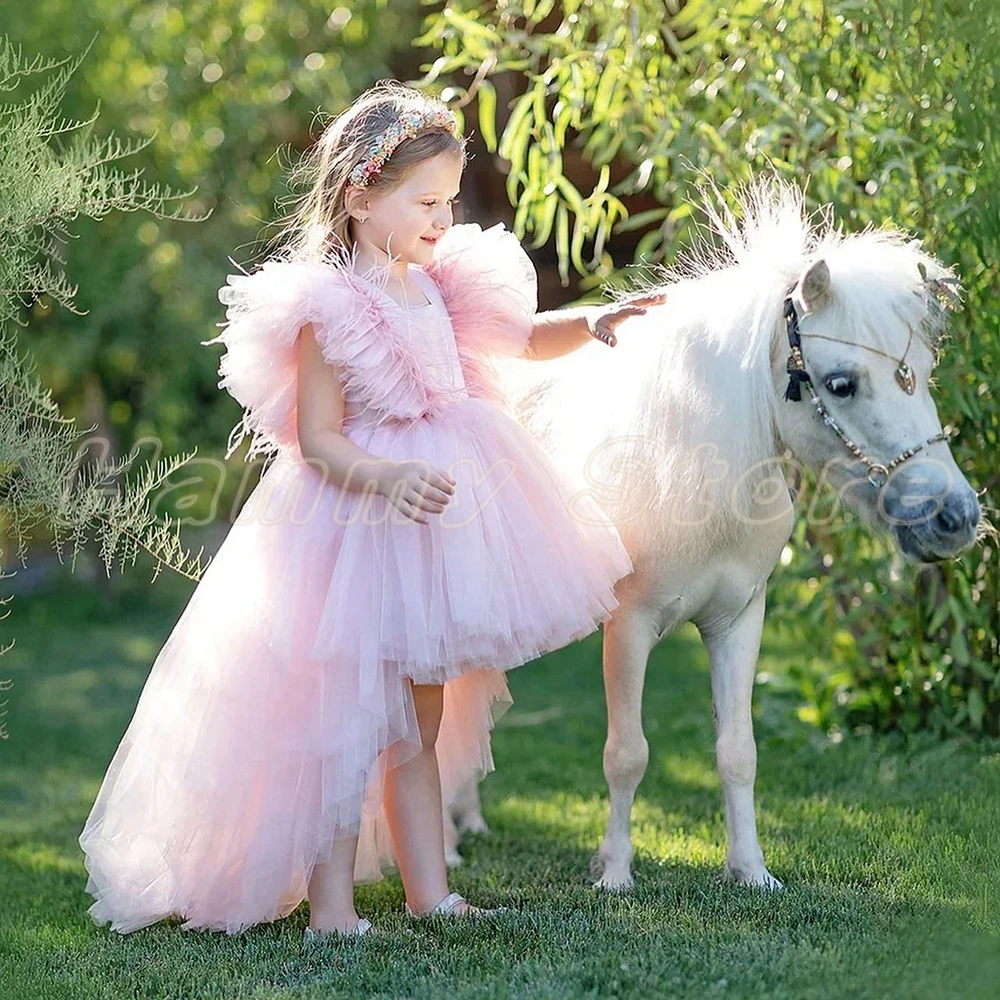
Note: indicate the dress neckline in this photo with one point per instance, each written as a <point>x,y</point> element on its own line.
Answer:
<point>378,285</point>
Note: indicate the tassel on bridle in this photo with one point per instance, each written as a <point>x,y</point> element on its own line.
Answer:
<point>796,375</point>
<point>795,366</point>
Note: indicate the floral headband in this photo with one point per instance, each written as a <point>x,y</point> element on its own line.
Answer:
<point>408,125</point>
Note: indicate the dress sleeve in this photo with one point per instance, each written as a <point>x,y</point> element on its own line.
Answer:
<point>489,285</point>
<point>265,311</point>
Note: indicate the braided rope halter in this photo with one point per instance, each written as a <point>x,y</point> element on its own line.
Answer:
<point>878,473</point>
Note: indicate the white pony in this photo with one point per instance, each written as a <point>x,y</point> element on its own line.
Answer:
<point>790,337</point>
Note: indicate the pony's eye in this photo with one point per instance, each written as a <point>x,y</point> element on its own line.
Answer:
<point>841,386</point>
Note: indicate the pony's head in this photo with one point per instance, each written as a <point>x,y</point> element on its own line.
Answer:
<point>853,355</point>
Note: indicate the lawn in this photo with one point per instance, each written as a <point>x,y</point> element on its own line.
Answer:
<point>889,855</point>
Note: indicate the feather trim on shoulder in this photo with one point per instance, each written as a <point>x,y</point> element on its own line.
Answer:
<point>266,309</point>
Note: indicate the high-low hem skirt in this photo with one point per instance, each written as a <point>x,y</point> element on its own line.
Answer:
<point>283,693</point>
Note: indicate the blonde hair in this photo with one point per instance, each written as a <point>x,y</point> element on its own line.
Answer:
<point>319,221</point>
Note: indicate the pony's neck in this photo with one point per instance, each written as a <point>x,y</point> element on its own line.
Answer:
<point>714,411</point>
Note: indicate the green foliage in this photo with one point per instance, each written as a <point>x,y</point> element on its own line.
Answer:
<point>889,110</point>
<point>44,481</point>
<point>46,186</point>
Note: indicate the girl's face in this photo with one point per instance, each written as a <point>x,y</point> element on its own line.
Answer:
<point>407,221</point>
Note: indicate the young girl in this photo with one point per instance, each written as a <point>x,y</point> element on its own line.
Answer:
<point>342,660</point>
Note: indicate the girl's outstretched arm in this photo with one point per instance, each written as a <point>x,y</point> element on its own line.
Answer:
<point>563,330</point>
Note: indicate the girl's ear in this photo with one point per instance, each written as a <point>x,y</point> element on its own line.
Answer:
<point>356,202</point>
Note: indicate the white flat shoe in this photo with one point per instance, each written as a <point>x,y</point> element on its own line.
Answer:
<point>446,908</point>
<point>311,937</point>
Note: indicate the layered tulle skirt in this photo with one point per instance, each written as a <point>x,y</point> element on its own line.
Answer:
<point>282,694</point>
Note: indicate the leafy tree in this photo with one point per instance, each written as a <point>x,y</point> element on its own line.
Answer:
<point>52,170</point>
<point>45,186</point>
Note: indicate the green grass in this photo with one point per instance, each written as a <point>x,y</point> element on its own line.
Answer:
<point>889,856</point>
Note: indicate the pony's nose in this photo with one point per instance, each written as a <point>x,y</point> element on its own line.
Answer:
<point>957,517</point>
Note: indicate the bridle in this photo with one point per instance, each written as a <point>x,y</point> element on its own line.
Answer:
<point>878,473</point>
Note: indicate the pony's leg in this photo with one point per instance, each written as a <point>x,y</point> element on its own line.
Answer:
<point>468,810</point>
<point>733,649</point>
<point>628,640</point>
<point>463,814</point>
<point>452,857</point>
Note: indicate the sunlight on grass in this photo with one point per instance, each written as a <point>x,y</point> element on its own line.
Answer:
<point>689,771</point>
<point>140,649</point>
<point>46,798</point>
<point>660,834</point>
<point>42,857</point>
<point>580,822</point>
<point>570,818</point>
<point>78,692</point>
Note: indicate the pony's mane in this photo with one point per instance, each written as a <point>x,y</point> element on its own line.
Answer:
<point>770,238</point>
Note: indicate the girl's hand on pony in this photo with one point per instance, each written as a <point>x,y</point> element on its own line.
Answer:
<point>414,488</point>
<point>603,321</point>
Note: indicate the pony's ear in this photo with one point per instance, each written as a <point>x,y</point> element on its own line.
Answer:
<point>814,291</point>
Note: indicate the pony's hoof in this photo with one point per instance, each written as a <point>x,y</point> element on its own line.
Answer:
<point>452,858</point>
<point>472,827</point>
<point>615,881</point>
<point>769,882</point>
<point>761,879</point>
<point>613,877</point>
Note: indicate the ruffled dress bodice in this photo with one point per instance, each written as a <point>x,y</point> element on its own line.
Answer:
<point>427,329</point>
<point>395,360</point>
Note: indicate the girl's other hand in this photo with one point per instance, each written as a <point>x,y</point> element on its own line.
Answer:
<point>414,488</point>
<point>603,323</point>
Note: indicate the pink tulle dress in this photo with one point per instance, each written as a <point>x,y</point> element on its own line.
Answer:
<point>282,694</point>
